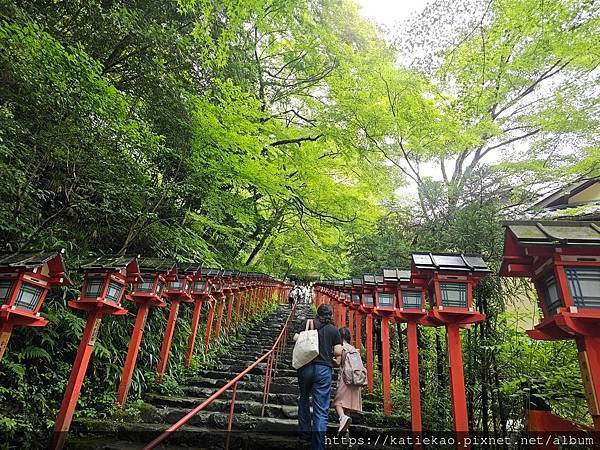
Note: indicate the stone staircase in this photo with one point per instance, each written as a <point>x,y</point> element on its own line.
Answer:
<point>206,430</point>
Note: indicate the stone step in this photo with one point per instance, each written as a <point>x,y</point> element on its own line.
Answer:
<point>245,385</point>
<point>248,357</point>
<point>277,399</point>
<point>244,422</point>
<point>253,407</point>
<point>226,376</point>
<point>260,369</point>
<point>135,435</point>
<point>278,386</point>
<point>264,337</point>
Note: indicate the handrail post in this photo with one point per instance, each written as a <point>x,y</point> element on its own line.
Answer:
<point>230,417</point>
<point>267,385</point>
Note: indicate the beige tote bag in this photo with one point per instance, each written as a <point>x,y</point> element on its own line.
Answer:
<point>307,346</point>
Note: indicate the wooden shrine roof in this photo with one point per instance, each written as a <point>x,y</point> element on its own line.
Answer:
<point>555,232</point>
<point>449,261</point>
<point>28,260</point>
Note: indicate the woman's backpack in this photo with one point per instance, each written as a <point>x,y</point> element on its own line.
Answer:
<point>353,369</point>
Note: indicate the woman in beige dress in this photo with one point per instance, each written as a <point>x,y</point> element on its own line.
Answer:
<point>347,397</point>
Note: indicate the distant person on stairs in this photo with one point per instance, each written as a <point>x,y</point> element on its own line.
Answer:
<point>314,379</point>
<point>349,383</point>
<point>306,295</point>
<point>292,297</point>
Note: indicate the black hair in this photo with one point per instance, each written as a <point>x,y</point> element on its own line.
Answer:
<point>325,312</point>
<point>344,334</point>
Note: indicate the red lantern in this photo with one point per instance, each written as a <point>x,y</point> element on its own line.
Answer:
<point>232,293</point>
<point>243,286</point>
<point>367,305</point>
<point>337,291</point>
<point>25,279</point>
<point>385,306</point>
<point>219,284</point>
<point>200,294</point>
<point>385,298</point>
<point>410,309</point>
<point>563,260</point>
<point>147,292</point>
<point>178,289</point>
<point>356,294</point>
<point>210,276</point>
<point>103,288</point>
<point>449,279</point>
<point>105,282</point>
<point>368,297</point>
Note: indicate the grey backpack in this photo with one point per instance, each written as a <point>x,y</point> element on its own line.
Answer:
<point>353,369</point>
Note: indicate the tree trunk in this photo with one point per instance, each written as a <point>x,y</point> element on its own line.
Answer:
<point>266,233</point>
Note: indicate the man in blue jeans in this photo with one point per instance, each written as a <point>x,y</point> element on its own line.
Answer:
<point>315,379</point>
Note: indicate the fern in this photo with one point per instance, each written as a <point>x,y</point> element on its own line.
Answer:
<point>14,368</point>
<point>32,352</point>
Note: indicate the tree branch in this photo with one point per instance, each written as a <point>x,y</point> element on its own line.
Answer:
<point>296,140</point>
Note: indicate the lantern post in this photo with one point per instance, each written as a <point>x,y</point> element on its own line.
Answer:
<point>336,300</point>
<point>318,295</point>
<point>336,303</point>
<point>209,275</point>
<point>253,296</point>
<point>449,280</point>
<point>563,260</point>
<point>218,294</point>
<point>352,312</point>
<point>241,297</point>
<point>357,287</point>
<point>231,291</point>
<point>250,289</point>
<point>25,280</point>
<point>146,293</point>
<point>385,306</point>
<point>199,292</point>
<point>367,304</point>
<point>264,292</point>
<point>104,284</point>
<point>258,294</point>
<point>327,295</point>
<point>178,289</point>
<point>253,286</point>
<point>410,310</point>
<point>339,297</point>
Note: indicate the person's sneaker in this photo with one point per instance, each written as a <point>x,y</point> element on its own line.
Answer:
<point>345,422</point>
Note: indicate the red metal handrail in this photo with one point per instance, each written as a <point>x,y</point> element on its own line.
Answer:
<point>273,355</point>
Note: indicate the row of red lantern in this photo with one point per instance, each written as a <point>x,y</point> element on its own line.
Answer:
<point>25,279</point>
<point>447,281</point>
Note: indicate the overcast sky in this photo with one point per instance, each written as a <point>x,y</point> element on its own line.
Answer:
<point>390,12</point>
